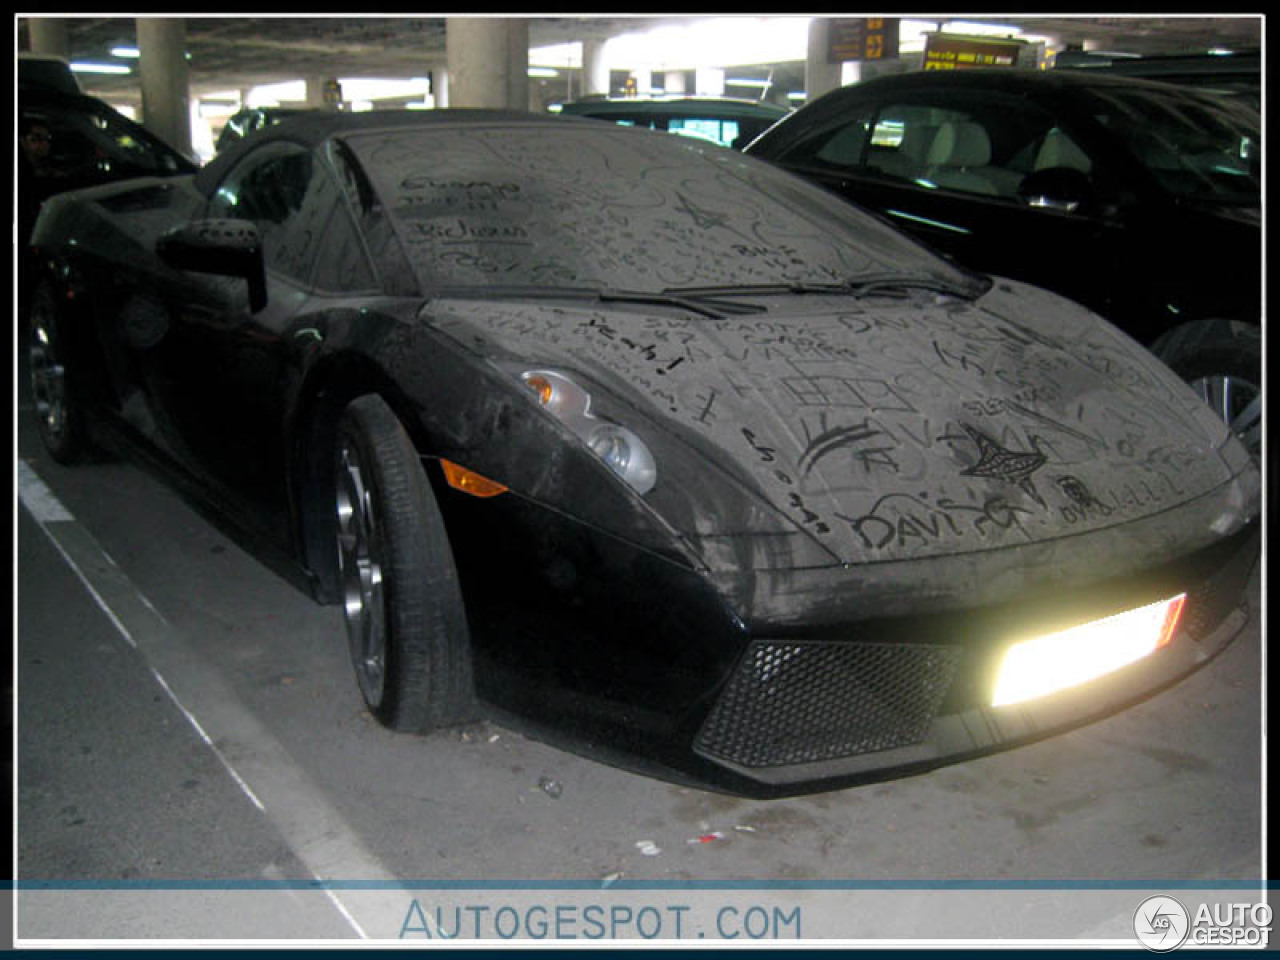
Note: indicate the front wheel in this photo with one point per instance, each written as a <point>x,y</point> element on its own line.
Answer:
<point>1222,361</point>
<point>406,625</point>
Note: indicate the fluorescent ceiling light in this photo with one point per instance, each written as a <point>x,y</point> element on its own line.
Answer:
<point>129,53</point>
<point>981,29</point>
<point>747,82</point>
<point>543,72</point>
<point>83,67</point>
<point>722,41</point>
<point>557,55</point>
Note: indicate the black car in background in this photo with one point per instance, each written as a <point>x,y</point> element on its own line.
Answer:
<point>67,141</point>
<point>1138,199</point>
<point>1230,75</point>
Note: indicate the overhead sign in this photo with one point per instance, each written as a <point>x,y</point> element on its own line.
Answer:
<point>862,38</point>
<point>949,51</point>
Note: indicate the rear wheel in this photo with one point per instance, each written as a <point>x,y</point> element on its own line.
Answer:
<point>58,414</point>
<point>406,625</point>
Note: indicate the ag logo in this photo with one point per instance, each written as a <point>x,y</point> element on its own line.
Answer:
<point>1161,924</point>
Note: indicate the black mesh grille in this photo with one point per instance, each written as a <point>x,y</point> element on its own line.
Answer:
<point>793,703</point>
<point>1209,602</point>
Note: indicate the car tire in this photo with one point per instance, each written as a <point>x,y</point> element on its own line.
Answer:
<point>59,417</point>
<point>1222,361</point>
<point>406,624</point>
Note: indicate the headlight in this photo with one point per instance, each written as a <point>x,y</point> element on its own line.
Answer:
<point>621,449</point>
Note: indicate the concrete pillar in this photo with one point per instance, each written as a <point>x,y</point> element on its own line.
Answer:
<point>440,86</point>
<point>324,93</point>
<point>820,75</point>
<point>488,62</point>
<point>674,83</point>
<point>595,68</point>
<point>163,66</point>
<point>519,93</point>
<point>49,35</point>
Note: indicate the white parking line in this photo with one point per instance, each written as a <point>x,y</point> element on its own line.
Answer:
<point>282,790</point>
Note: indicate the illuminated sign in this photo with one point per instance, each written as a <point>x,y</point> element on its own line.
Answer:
<point>948,51</point>
<point>862,38</point>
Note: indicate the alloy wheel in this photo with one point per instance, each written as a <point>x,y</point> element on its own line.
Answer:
<point>48,375</point>
<point>360,554</point>
<point>1239,403</point>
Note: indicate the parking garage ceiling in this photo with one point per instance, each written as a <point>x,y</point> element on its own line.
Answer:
<point>239,52</point>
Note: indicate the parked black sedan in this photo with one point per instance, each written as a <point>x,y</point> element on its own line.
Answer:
<point>1139,200</point>
<point>648,443</point>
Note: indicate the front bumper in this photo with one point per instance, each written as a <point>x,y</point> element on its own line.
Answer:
<point>816,711</point>
<point>609,650</point>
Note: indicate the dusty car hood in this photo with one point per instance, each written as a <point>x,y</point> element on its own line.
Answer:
<point>896,427</point>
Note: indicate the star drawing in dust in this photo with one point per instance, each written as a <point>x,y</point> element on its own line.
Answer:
<point>1000,463</point>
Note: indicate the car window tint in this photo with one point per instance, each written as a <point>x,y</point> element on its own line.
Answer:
<point>342,264</point>
<point>839,147</point>
<point>979,143</point>
<point>288,196</point>
<point>372,224</point>
<point>100,144</point>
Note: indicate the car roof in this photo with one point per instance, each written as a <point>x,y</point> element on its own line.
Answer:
<point>1058,80</point>
<point>676,106</point>
<point>312,128</point>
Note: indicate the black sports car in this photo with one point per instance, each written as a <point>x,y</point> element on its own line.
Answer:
<point>648,443</point>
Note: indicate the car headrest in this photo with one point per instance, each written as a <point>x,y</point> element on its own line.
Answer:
<point>1059,150</point>
<point>960,145</point>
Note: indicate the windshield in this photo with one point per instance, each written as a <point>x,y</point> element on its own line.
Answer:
<point>1193,145</point>
<point>604,207</point>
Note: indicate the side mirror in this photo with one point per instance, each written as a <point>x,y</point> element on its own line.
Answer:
<point>1065,189</point>
<point>225,248</point>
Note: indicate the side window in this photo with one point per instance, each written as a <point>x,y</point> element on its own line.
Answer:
<point>984,144</point>
<point>281,189</point>
<point>370,224</point>
<point>839,148</point>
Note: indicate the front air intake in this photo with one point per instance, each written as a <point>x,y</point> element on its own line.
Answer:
<point>806,702</point>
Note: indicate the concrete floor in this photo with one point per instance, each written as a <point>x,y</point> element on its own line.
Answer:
<point>194,763</point>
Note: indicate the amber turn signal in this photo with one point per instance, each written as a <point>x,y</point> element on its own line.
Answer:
<point>468,481</point>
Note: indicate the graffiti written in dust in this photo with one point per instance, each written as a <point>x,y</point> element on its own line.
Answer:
<point>768,454</point>
<point>457,230</point>
<point>833,391</point>
<point>705,219</point>
<point>829,440</point>
<point>1082,504</point>
<point>469,195</point>
<point>646,350</point>
<point>807,516</point>
<point>1001,463</point>
<point>902,520</point>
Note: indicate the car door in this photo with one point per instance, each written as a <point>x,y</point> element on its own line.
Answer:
<point>952,167</point>
<point>222,374</point>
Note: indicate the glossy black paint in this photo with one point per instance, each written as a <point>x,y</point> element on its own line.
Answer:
<point>617,619</point>
<point>1142,257</point>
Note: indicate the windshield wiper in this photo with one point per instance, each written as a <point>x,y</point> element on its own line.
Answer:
<point>866,286</point>
<point>694,302</point>
<point>857,286</point>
